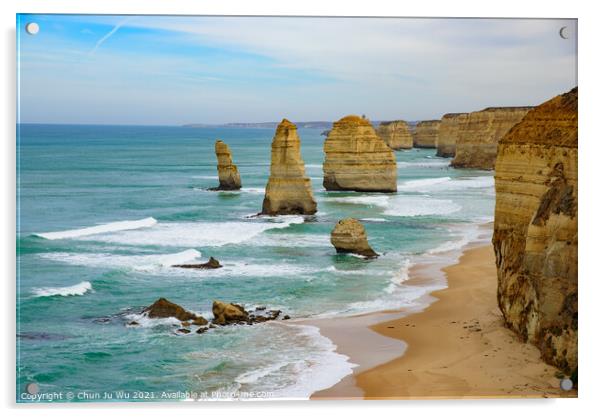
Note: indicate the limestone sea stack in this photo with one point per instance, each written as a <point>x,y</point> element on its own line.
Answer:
<point>349,236</point>
<point>426,134</point>
<point>477,140</point>
<point>229,178</point>
<point>448,133</point>
<point>396,134</point>
<point>535,229</point>
<point>356,159</point>
<point>288,190</point>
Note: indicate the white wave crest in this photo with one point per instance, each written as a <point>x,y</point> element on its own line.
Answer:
<point>77,289</point>
<point>418,185</point>
<point>103,228</point>
<point>424,164</point>
<point>195,234</point>
<point>411,206</point>
<point>138,262</point>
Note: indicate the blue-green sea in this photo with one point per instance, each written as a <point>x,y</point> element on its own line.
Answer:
<point>78,288</point>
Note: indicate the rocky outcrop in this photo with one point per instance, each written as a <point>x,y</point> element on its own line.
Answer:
<point>212,263</point>
<point>230,313</point>
<point>535,230</point>
<point>288,190</point>
<point>448,133</point>
<point>478,136</point>
<point>229,178</point>
<point>349,236</point>
<point>426,134</point>
<point>396,134</point>
<point>163,308</point>
<point>357,159</point>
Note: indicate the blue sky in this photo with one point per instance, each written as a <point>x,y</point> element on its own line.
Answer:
<point>182,69</point>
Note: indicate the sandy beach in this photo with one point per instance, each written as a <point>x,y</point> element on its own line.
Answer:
<point>458,347</point>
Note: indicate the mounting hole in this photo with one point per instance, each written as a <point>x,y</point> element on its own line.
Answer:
<point>566,384</point>
<point>32,388</point>
<point>32,28</point>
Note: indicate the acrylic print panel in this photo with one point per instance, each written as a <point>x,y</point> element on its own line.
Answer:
<point>220,208</point>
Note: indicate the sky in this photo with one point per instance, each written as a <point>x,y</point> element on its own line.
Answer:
<point>172,70</point>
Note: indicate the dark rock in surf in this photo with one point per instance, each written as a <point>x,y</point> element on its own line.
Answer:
<point>211,264</point>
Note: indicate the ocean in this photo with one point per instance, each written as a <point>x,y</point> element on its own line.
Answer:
<point>105,211</point>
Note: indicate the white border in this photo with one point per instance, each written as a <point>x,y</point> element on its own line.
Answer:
<point>590,233</point>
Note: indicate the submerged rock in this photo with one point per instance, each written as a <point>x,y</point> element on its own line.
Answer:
<point>229,177</point>
<point>211,264</point>
<point>349,236</point>
<point>396,134</point>
<point>356,159</point>
<point>535,230</point>
<point>163,308</point>
<point>288,190</point>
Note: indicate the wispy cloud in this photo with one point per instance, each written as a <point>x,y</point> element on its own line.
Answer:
<point>109,34</point>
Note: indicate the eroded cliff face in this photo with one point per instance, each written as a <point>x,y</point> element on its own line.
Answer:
<point>396,134</point>
<point>229,178</point>
<point>288,190</point>
<point>427,133</point>
<point>535,231</point>
<point>357,159</point>
<point>478,136</point>
<point>448,133</point>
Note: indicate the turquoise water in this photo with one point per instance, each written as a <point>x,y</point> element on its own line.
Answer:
<point>78,289</point>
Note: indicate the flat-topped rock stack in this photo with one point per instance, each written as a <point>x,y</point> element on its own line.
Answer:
<point>227,172</point>
<point>449,130</point>
<point>356,159</point>
<point>535,230</point>
<point>396,134</point>
<point>426,134</point>
<point>478,136</point>
<point>288,190</point>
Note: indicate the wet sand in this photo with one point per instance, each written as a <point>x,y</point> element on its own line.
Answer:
<point>457,347</point>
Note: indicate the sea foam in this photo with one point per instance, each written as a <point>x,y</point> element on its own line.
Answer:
<point>195,234</point>
<point>103,228</point>
<point>77,289</point>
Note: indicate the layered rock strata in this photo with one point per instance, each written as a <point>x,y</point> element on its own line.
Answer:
<point>288,190</point>
<point>535,230</point>
<point>349,236</point>
<point>426,134</point>
<point>356,159</point>
<point>448,133</point>
<point>478,136</point>
<point>227,172</point>
<point>396,134</point>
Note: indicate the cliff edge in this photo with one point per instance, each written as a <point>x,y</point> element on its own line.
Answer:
<point>535,229</point>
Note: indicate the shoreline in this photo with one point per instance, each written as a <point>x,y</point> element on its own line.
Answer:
<point>455,346</point>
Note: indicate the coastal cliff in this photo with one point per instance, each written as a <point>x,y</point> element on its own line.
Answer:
<point>535,230</point>
<point>449,130</point>
<point>357,159</point>
<point>229,178</point>
<point>478,136</point>
<point>288,190</point>
<point>427,133</point>
<point>396,134</point>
